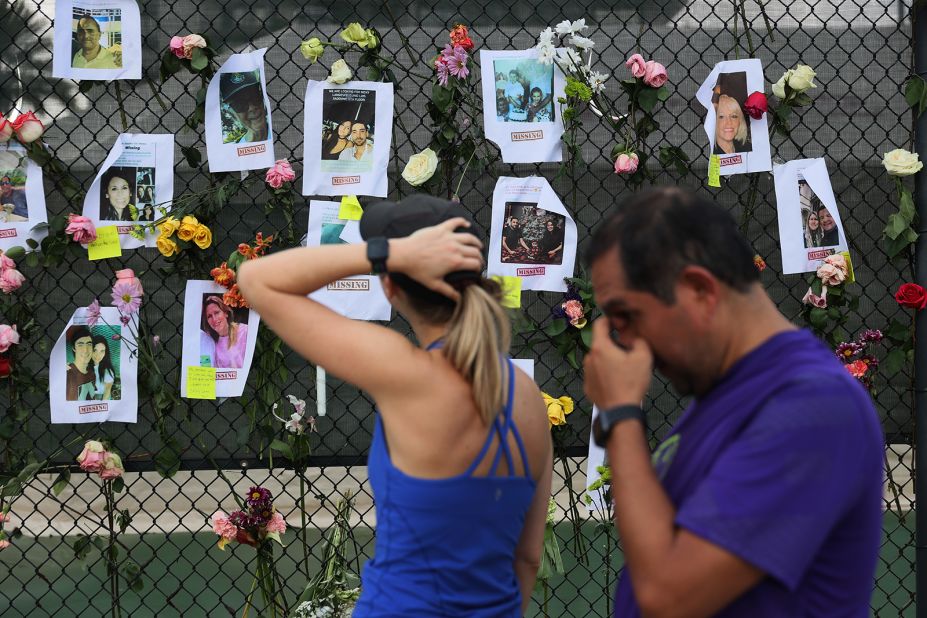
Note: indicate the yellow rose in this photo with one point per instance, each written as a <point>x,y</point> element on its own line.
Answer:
<point>900,162</point>
<point>166,246</point>
<point>168,227</point>
<point>801,78</point>
<point>312,49</point>
<point>355,33</point>
<point>340,72</point>
<point>557,409</point>
<point>420,167</point>
<point>187,229</point>
<point>203,236</point>
<point>372,39</point>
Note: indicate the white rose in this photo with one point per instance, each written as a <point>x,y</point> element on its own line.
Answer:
<point>800,79</point>
<point>778,88</point>
<point>340,72</point>
<point>420,167</point>
<point>900,162</point>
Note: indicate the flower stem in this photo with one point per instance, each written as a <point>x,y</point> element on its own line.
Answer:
<point>122,110</point>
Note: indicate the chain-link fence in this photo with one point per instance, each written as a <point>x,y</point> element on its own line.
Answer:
<point>860,50</point>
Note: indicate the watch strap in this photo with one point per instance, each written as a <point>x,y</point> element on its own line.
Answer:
<point>610,417</point>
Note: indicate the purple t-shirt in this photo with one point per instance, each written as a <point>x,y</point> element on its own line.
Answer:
<point>781,465</point>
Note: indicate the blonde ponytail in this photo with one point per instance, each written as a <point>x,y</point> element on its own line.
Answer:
<point>477,339</point>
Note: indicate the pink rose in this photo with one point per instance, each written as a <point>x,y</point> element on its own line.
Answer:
<point>81,228</point>
<point>811,298</point>
<point>626,163</point>
<point>4,544</point>
<point>91,458</point>
<point>830,274</point>
<point>189,42</point>
<point>111,466</point>
<point>176,46</point>
<point>8,337</point>
<point>10,280</point>
<point>276,523</point>
<point>127,275</point>
<point>839,262</point>
<point>6,262</point>
<point>6,129</point>
<point>222,526</point>
<point>655,74</point>
<point>28,128</point>
<point>637,65</point>
<point>280,173</point>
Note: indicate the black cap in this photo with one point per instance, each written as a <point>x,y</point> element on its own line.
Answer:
<point>403,218</point>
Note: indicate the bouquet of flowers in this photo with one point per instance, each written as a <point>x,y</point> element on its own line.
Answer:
<point>226,274</point>
<point>568,329</point>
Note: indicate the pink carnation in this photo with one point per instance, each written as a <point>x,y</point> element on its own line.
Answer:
<point>81,229</point>
<point>637,65</point>
<point>655,74</point>
<point>280,173</point>
<point>10,280</point>
<point>176,46</point>
<point>276,523</point>
<point>222,526</point>
<point>8,337</point>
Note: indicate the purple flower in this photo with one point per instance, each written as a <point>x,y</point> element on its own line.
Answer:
<point>116,337</point>
<point>447,54</point>
<point>457,63</point>
<point>93,313</point>
<point>258,496</point>
<point>125,320</point>
<point>871,336</point>
<point>847,351</point>
<point>443,73</point>
<point>870,360</point>
<point>127,297</point>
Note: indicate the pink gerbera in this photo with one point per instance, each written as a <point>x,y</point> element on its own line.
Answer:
<point>443,73</point>
<point>127,297</point>
<point>457,63</point>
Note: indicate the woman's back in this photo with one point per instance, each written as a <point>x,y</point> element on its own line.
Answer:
<point>452,496</point>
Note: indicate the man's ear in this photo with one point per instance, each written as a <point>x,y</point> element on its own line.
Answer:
<point>700,286</point>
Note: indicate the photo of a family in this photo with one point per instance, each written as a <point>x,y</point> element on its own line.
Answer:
<point>818,224</point>
<point>348,125</point>
<point>244,116</point>
<point>120,187</point>
<point>92,370</point>
<point>524,90</point>
<point>223,334</point>
<point>732,125</point>
<point>13,208</point>
<point>532,235</point>
<point>96,41</point>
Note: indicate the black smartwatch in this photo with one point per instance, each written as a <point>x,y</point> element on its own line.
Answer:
<point>607,419</point>
<point>377,253</point>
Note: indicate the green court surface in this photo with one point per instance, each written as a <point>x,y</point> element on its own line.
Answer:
<point>186,575</point>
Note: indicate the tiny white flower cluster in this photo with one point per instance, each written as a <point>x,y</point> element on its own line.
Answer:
<point>321,608</point>
<point>299,422</point>
<point>570,59</point>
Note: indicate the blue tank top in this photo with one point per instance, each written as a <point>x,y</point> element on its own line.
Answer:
<point>446,547</point>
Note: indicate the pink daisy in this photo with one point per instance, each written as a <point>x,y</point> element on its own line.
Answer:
<point>457,64</point>
<point>443,73</point>
<point>127,297</point>
<point>93,313</point>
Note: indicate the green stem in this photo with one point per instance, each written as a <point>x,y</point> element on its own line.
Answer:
<point>122,110</point>
<point>302,512</point>
<point>157,96</point>
<point>464,173</point>
<point>111,569</point>
<point>750,205</point>
<point>743,15</point>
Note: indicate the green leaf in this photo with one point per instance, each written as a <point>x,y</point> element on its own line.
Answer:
<point>915,93</point>
<point>282,447</point>
<point>25,475</point>
<point>199,60</point>
<point>11,488</point>
<point>893,362</point>
<point>441,96</point>
<point>86,86</point>
<point>895,226</point>
<point>118,485</point>
<point>897,331</point>
<point>557,327</point>
<point>167,461</point>
<point>906,206</point>
<point>15,253</point>
<point>818,317</point>
<point>31,243</point>
<point>585,335</point>
<point>663,93</point>
<point>647,99</point>
<point>192,155</point>
<point>64,477</point>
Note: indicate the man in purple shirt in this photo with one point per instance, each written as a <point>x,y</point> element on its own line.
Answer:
<point>765,498</point>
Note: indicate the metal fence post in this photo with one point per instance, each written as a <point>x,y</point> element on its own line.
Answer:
<point>919,15</point>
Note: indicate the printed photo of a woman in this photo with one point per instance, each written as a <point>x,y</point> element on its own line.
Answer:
<point>104,374</point>
<point>227,329</point>
<point>334,141</point>
<point>731,130</point>
<point>117,188</point>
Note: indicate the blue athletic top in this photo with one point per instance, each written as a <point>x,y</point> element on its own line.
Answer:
<point>446,547</point>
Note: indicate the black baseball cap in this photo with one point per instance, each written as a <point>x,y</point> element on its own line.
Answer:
<point>403,218</point>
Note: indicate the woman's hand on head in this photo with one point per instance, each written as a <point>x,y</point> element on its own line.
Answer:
<point>432,252</point>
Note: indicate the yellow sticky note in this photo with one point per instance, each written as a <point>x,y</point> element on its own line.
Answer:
<point>850,277</point>
<point>106,245</point>
<point>201,382</point>
<point>714,171</point>
<point>350,208</point>
<point>511,291</point>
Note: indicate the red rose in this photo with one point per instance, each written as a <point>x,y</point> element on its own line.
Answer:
<point>756,105</point>
<point>911,295</point>
<point>6,365</point>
